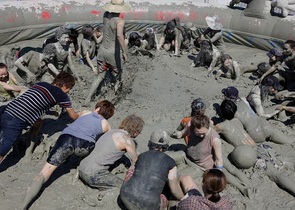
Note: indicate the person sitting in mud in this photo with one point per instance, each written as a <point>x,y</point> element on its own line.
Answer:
<point>172,36</point>
<point>258,128</point>
<point>150,39</point>
<point>269,86</point>
<point>35,64</point>
<point>214,31</point>
<point>109,52</point>
<point>232,69</point>
<point>94,170</point>
<point>143,186</point>
<point>213,183</point>
<point>244,156</point>
<point>63,55</point>
<point>8,85</point>
<point>77,139</point>
<point>88,46</point>
<point>73,39</point>
<point>24,110</point>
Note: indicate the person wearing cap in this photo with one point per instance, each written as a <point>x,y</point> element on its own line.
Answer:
<point>258,128</point>
<point>94,170</point>
<point>108,56</point>
<point>214,31</point>
<point>172,36</point>
<point>269,86</point>
<point>143,190</point>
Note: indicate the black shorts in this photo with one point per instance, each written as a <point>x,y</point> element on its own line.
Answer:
<point>67,145</point>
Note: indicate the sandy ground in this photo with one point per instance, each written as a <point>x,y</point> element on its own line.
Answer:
<point>159,89</point>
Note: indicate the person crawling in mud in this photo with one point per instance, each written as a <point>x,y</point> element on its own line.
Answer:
<point>35,64</point>
<point>24,111</point>
<point>205,56</point>
<point>146,41</point>
<point>143,187</point>
<point>78,139</point>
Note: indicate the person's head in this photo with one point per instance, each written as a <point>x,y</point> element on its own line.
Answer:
<point>73,35</point>
<point>117,6</point>
<point>134,39</point>
<point>269,85</point>
<point>289,47</point>
<point>214,23</point>
<point>228,109</point>
<point>230,93</point>
<point>105,108</point>
<point>198,106</point>
<point>200,125</point>
<point>4,75</point>
<point>170,26</point>
<point>273,55</point>
<point>226,60</point>
<point>214,182</point>
<point>62,35</point>
<point>262,68</point>
<point>98,31</point>
<point>65,81</point>
<point>49,51</point>
<point>159,140</point>
<point>87,31</point>
<point>132,124</point>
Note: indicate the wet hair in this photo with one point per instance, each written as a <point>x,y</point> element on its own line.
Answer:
<point>200,121</point>
<point>291,43</point>
<point>214,181</point>
<point>107,109</point>
<point>155,146</point>
<point>49,49</point>
<point>224,57</point>
<point>228,109</point>
<point>262,68</point>
<point>60,31</point>
<point>267,84</point>
<point>73,33</point>
<point>134,39</point>
<point>87,30</point>
<point>198,107</point>
<point>64,78</point>
<point>3,66</point>
<point>132,124</point>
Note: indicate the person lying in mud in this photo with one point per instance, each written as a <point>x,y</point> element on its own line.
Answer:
<point>258,155</point>
<point>172,36</point>
<point>94,170</point>
<point>143,186</point>
<point>232,69</point>
<point>77,139</point>
<point>63,56</point>
<point>269,86</point>
<point>89,46</point>
<point>258,128</point>
<point>213,183</point>
<point>26,109</point>
<point>35,64</point>
<point>214,32</point>
<point>8,85</point>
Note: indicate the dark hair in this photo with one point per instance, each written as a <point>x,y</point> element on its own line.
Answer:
<point>291,43</point>
<point>73,33</point>
<point>214,181</point>
<point>64,78</point>
<point>224,57</point>
<point>262,68</point>
<point>107,109</point>
<point>200,121</point>
<point>3,66</point>
<point>99,29</point>
<point>155,146</point>
<point>87,31</point>
<point>49,49</point>
<point>134,39</point>
<point>198,107</point>
<point>60,31</point>
<point>228,109</point>
<point>132,124</point>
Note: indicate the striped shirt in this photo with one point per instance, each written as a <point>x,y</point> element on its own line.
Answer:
<point>36,101</point>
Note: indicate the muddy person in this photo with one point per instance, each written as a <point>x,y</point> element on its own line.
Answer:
<point>214,32</point>
<point>108,56</point>
<point>77,139</point>
<point>213,183</point>
<point>36,64</point>
<point>94,170</point>
<point>24,110</point>
<point>143,190</point>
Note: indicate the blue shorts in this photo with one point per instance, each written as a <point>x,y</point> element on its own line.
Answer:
<point>67,145</point>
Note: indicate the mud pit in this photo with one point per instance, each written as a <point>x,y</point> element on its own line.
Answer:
<point>159,89</point>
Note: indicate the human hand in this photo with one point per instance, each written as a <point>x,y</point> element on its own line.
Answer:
<point>125,58</point>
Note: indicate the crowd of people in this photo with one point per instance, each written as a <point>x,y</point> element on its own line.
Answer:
<point>48,76</point>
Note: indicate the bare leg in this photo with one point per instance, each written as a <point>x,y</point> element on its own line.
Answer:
<point>216,56</point>
<point>95,85</point>
<point>37,184</point>
<point>279,137</point>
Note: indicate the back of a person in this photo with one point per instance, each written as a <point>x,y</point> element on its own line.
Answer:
<point>195,202</point>
<point>109,32</point>
<point>143,189</point>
